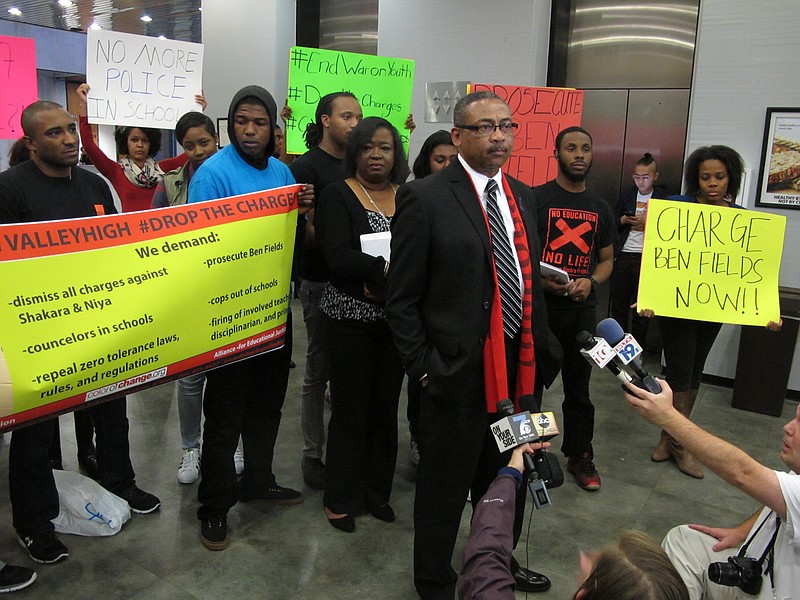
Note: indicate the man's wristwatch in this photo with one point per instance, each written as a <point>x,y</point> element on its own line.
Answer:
<point>594,283</point>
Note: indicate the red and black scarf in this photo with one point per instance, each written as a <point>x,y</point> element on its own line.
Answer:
<point>494,350</point>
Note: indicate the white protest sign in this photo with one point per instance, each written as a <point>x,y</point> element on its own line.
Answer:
<point>139,80</point>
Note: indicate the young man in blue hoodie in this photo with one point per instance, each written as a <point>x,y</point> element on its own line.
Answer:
<point>246,397</point>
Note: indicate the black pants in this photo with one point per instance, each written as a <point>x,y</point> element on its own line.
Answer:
<point>686,347</point>
<point>414,392</point>
<point>567,319</point>
<point>366,377</point>
<point>243,398</point>
<point>458,454</point>
<point>34,498</point>
<point>624,289</point>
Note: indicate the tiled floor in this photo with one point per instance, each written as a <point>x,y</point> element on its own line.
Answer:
<point>292,552</point>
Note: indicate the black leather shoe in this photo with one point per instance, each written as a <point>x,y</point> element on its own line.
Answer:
<point>88,464</point>
<point>530,581</point>
<point>383,513</point>
<point>347,523</point>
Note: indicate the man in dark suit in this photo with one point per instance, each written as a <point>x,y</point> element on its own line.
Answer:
<point>468,336</point>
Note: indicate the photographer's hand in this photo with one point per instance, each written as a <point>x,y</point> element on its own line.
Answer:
<point>654,408</point>
<point>728,538</point>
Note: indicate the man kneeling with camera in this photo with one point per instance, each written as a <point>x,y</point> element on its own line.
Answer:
<point>767,564</point>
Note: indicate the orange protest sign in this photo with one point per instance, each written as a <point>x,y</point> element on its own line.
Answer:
<point>540,113</point>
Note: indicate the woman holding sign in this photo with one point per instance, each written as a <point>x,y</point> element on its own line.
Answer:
<point>136,174</point>
<point>366,372</point>
<point>713,176</point>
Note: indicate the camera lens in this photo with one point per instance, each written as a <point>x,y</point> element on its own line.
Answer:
<point>724,573</point>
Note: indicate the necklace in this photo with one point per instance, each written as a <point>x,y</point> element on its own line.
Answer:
<point>371,201</point>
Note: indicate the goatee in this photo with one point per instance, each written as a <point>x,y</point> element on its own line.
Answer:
<point>564,169</point>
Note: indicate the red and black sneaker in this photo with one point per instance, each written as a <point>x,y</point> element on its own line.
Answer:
<point>582,468</point>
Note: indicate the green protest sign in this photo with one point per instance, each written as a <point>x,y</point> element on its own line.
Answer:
<point>382,85</point>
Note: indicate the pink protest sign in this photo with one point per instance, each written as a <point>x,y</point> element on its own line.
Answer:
<point>18,86</point>
<point>541,113</point>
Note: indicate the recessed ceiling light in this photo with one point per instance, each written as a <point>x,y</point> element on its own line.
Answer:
<point>162,37</point>
<point>14,11</point>
<point>65,3</point>
<point>146,18</point>
<point>94,26</point>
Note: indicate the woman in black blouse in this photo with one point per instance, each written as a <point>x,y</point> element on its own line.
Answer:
<point>366,372</point>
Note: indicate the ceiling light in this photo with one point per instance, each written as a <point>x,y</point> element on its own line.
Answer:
<point>94,26</point>
<point>65,3</point>
<point>146,18</point>
<point>162,37</point>
<point>14,11</point>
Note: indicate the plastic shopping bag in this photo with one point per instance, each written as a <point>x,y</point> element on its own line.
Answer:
<point>86,507</point>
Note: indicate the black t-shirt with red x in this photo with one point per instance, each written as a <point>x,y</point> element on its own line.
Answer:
<point>573,227</point>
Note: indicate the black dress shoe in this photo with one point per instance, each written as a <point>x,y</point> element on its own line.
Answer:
<point>530,581</point>
<point>384,513</point>
<point>346,523</point>
<point>88,464</point>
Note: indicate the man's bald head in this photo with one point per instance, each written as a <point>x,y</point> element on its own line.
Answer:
<point>30,116</point>
<point>51,135</point>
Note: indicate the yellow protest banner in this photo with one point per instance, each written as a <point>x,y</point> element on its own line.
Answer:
<point>99,307</point>
<point>711,263</point>
<point>382,86</point>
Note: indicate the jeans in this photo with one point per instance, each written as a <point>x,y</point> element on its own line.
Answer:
<point>190,408</point>
<point>318,370</point>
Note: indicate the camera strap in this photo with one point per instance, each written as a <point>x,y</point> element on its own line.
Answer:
<point>769,554</point>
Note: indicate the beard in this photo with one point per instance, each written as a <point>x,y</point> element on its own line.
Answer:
<point>564,169</point>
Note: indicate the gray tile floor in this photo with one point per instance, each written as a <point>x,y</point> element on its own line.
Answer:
<point>292,552</point>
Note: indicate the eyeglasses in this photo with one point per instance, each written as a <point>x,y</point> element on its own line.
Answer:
<point>485,129</point>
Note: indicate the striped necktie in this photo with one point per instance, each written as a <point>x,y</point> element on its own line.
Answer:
<point>504,264</point>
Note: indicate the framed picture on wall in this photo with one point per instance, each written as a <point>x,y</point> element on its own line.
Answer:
<point>222,132</point>
<point>779,176</point>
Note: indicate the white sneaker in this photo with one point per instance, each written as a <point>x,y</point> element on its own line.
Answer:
<point>189,470</point>
<point>238,461</point>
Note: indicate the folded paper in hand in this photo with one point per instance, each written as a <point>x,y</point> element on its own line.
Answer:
<point>377,244</point>
<point>548,270</point>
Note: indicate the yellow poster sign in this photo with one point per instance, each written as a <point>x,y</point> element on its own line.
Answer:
<point>99,307</point>
<point>711,263</point>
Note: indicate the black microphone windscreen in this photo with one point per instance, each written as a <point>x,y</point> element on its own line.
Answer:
<point>504,407</point>
<point>610,331</point>
<point>586,340</point>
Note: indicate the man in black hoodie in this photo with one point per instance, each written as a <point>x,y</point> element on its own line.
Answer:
<point>244,398</point>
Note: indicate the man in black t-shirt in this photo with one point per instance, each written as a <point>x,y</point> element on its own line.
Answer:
<point>336,116</point>
<point>49,187</point>
<point>577,231</point>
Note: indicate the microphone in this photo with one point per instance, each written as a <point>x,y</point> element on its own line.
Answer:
<point>598,353</point>
<point>627,350</point>
<point>514,430</point>
<point>542,468</point>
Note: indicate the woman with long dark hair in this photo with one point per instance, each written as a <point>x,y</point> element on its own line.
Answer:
<point>366,372</point>
<point>713,176</point>
<point>437,152</point>
<point>136,174</point>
